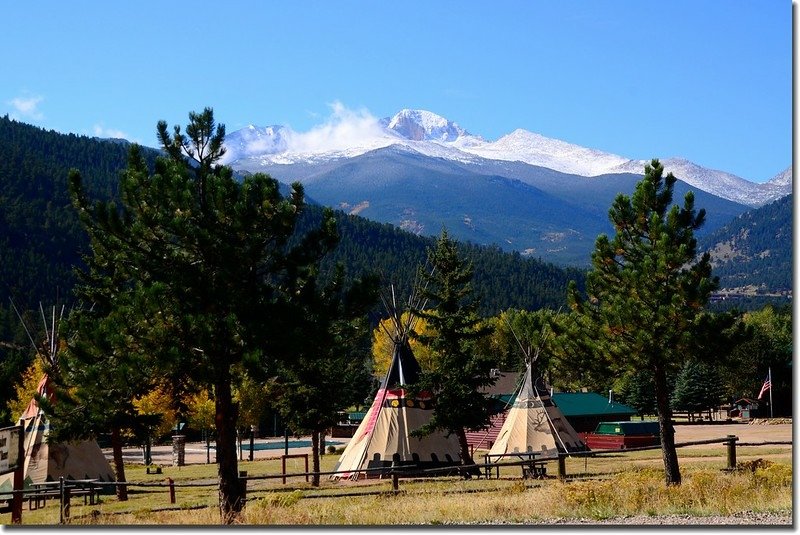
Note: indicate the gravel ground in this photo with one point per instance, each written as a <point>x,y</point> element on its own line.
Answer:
<point>746,518</point>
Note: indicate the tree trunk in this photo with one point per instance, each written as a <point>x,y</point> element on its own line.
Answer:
<point>231,491</point>
<point>119,465</point>
<point>315,445</point>
<point>669,454</point>
<point>466,458</point>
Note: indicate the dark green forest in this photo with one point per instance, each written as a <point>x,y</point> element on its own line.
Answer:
<point>750,256</point>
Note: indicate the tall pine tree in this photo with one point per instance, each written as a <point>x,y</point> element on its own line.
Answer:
<point>210,259</point>
<point>330,370</point>
<point>646,292</point>
<point>461,369</point>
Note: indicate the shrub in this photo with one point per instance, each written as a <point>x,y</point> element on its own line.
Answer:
<point>774,475</point>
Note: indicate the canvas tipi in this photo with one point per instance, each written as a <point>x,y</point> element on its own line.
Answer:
<point>45,461</point>
<point>384,436</point>
<point>534,423</point>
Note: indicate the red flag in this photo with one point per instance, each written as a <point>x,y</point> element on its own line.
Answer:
<point>766,386</point>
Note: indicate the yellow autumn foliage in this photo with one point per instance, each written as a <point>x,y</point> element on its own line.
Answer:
<point>158,401</point>
<point>24,391</point>
<point>382,346</point>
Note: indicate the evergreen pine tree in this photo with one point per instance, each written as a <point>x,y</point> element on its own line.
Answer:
<point>210,262</point>
<point>461,369</point>
<point>697,388</point>
<point>647,290</point>
<point>638,392</point>
<point>330,368</point>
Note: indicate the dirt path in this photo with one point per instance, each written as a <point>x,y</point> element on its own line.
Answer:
<point>746,432</point>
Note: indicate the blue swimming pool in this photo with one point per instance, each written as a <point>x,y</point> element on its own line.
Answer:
<point>258,446</point>
<point>281,445</point>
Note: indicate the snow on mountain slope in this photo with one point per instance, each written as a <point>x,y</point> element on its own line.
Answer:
<point>353,134</point>
<point>255,141</point>
<point>782,179</point>
<point>776,187</point>
<point>535,149</point>
<point>719,183</point>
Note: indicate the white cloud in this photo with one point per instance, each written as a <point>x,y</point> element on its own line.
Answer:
<point>101,131</point>
<point>343,129</point>
<point>26,107</point>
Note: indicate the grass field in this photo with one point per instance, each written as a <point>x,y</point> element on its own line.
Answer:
<point>622,484</point>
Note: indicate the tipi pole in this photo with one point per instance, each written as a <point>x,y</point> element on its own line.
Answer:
<point>769,377</point>
<point>14,306</point>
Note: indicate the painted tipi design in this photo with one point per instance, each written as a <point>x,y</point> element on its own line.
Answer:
<point>45,461</point>
<point>535,424</point>
<point>384,436</point>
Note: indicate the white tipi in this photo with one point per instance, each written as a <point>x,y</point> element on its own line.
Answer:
<point>384,436</point>
<point>45,461</point>
<point>534,423</point>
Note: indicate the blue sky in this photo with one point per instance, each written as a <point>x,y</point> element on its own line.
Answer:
<point>706,80</point>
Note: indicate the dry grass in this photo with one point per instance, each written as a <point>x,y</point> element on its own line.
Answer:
<point>620,485</point>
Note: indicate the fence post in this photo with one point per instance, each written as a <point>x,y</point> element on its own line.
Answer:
<point>61,500</point>
<point>562,466</point>
<point>171,484</point>
<point>395,478</point>
<point>67,499</point>
<point>732,451</point>
<point>243,479</point>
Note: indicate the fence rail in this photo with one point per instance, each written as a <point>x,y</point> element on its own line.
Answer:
<point>65,490</point>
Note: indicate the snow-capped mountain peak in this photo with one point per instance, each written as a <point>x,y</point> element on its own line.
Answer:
<point>432,135</point>
<point>255,141</point>
<point>422,125</point>
<point>782,179</point>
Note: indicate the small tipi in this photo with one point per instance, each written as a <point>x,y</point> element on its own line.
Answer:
<point>534,423</point>
<point>45,461</point>
<point>384,436</point>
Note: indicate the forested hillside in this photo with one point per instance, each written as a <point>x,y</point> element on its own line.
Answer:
<point>501,280</point>
<point>753,253</point>
<point>41,240</point>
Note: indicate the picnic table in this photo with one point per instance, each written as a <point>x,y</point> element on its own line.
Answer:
<point>533,467</point>
<point>39,493</point>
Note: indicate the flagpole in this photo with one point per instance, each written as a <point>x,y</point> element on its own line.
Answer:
<point>769,374</point>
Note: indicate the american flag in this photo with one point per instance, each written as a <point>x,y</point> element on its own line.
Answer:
<point>766,386</point>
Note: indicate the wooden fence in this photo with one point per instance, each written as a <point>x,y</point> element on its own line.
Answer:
<point>66,490</point>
